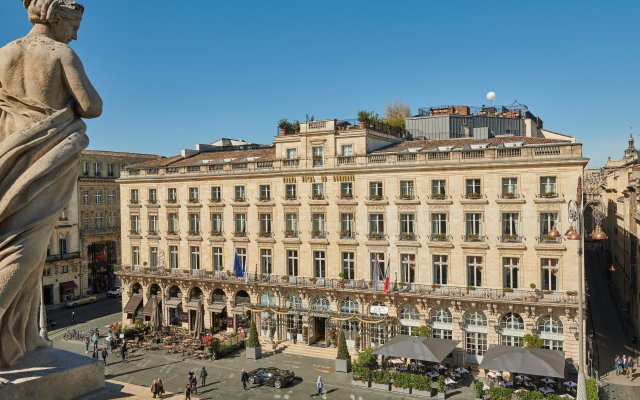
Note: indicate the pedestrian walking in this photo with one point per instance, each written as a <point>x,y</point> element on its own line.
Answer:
<point>123,351</point>
<point>86,345</point>
<point>624,365</point>
<point>154,388</point>
<point>104,355</point>
<point>108,340</point>
<point>319,385</point>
<point>618,364</point>
<point>203,376</point>
<point>194,385</point>
<point>244,377</point>
<point>95,339</point>
<point>187,392</point>
<point>73,317</point>
<point>160,387</point>
<point>629,368</point>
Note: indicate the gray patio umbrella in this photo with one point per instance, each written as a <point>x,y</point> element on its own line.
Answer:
<point>197,331</point>
<point>155,317</point>
<point>524,360</point>
<point>417,348</point>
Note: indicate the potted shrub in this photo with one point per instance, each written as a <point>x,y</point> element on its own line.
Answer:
<point>313,280</point>
<point>254,351</point>
<point>380,380</point>
<point>532,286</point>
<point>284,126</point>
<point>439,236</point>
<point>401,382</point>
<point>438,196</point>
<point>549,194</point>
<point>421,386</point>
<point>442,388</point>
<point>474,195</point>
<point>507,290</point>
<point>572,293</point>
<point>477,386</point>
<point>356,342</point>
<point>508,195</point>
<point>361,376</point>
<point>366,118</point>
<point>343,359</point>
<point>500,393</point>
<point>341,281</point>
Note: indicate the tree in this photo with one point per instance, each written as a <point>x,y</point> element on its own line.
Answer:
<point>253,336</point>
<point>343,352</point>
<point>397,111</point>
<point>424,331</point>
<point>533,341</point>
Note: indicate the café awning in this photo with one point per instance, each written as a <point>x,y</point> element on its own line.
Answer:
<point>146,311</point>
<point>132,305</point>
<point>524,360</point>
<point>417,348</point>
<point>69,285</point>
<point>217,307</point>
<point>172,302</point>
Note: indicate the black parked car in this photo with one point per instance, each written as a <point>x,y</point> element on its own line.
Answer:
<point>277,377</point>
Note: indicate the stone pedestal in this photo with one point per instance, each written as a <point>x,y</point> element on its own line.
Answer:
<point>51,374</point>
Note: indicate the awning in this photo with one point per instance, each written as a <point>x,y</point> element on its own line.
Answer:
<point>69,285</point>
<point>192,305</point>
<point>132,305</point>
<point>217,307</point>
<point>146,311</point>
<point>172,302</point>
<point>521,360</point>
<point>417,348</point>
<point>240,309</point>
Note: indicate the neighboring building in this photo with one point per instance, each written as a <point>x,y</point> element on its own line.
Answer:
<point>318,217</point>
<point>99,214</point>
<point>620,188</point>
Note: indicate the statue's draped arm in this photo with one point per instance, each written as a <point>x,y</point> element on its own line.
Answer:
<point>88,102</point>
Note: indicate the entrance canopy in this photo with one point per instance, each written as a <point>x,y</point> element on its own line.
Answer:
<point>542,362</point>
<point>417,348</point>
<point>69,285</point>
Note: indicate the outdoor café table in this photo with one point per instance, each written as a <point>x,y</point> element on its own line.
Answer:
<point>493,374</point>
<point>449,381</point>
<point>506,384</point>
<point>439,367</point>
<point>570,384</point>
<point>546,390</point>
<point>401,368</point>
<point>523,378</point>
<point>433,374</point>
<point>462,371</point>
<point>396,361</point>
<point>548,381</point>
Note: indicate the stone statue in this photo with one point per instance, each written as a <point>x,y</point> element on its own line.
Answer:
<point>44,92</point>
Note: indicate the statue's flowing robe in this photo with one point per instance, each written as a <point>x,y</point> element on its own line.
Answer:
<point>39,157</point>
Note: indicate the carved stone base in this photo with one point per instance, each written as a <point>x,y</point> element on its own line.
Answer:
<point>48,374</point>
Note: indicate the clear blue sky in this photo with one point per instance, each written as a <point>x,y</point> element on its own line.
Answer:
<point>176,73</point>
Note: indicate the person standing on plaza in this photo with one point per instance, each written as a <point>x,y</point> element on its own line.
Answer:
<point>244,377</point>
<point>618,364</point>
<point>154,388</point>
<point>160,387</point>
<point>86,345</point>
<point>123,351</point>
<point>104,355</point>
<point>73,317</point>
<point>629,368</point>
<point>187,392</point>
<point>203,376</point>
<point>319,385</point>
<point>108,340</point>
<point>95,339</point>
<point>194,385</point>
<point>624,365</point>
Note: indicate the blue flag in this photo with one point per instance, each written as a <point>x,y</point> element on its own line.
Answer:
<point>237,266</point>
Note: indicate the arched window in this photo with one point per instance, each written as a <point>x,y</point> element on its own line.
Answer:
<point>321,304</point>
<point>512,321</point>
<point>242,297</point>
<point>348,306</point>
<point>549,324</point>
<point>475,318</point>
<point>155,289</point>
<point>219,296</point>
<point>441,315</point>
<point>195,294</point>
<point>378,308</point>
<point>136,288</point>
<point>267,299</point>
<point>174,292</point>
<point>410,312</point>
<point>294,302</point>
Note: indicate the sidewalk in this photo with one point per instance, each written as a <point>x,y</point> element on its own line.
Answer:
<point>122,390</point>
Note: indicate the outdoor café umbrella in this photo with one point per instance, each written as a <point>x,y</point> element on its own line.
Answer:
<point>155,317</point>
<point>524,360</point>
<point>197,331</point>
<point>417,348</point>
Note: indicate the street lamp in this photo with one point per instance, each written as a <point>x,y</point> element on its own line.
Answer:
<point>576,232</point>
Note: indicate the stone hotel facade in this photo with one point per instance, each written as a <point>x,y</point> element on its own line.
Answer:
<point>319,218</point>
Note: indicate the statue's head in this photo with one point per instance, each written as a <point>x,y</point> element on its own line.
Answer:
<point>63,16</point>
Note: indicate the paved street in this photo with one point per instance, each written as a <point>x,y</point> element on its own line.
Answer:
<point>102,307</point>
<point>224,375</point>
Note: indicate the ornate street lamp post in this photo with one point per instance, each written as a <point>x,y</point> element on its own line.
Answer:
<point>576,232</point>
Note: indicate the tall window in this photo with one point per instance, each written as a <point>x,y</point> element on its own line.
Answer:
<point>376,225</point>
<point>510,226</point>
<point>153,196</point>
<point>86,221</point>
<point>265,224</point>
<point>549,267</point>
<point>85,198</point>
<point>409,320</point>
<point>216,224</point>
<point>172,195</point>
<point>111,197</point>
<point>317,191</point>
<point>290,191</point>
<point>99,220</point>
<point>346,190</point>
<point>153,257</point>
<point>135,223</point>
<point>172,218</point>
<point>265,192</point>
<point>408,268</point>
<point>216,194</point>
<point>346,225</point>
<point>195,257</point>
<point>265,261</point>
<point>193,194</point>
<point>547,222</point>
<point>440,269</point>
<point>98,196</point>
<point>512,326</point>
<point>239,193</point>
<point>442,323</point>
<point>318,156</point>
<point>476,333</point>
<point>347,150</point>
<point>242,255</point>
<point>473,189</point>
<point>291,225</point>
<point>62,245</point>
<point>216,257</point>
<point>348,265</point>
<point>473,226</point>
<point>240,223</point>
<point>407,226</point>
<point>375,190</point>
<point>153,223</point>
<point>439,225</point>
<point>551,331</point>
<point>173,257</point>
<point>509,187</point>
<point>548,186</point>
<point>292,262</point>
<point>110,170</point>
<point>474,271</point>
<point>85,168</point>
<point>135,256</point>
<point>510,272</point>
<point>377,261</point>
<point>406,190</point>
<point>194,224</point>
<point>318,225</point>
<point>319,264</point>
<point>96,167</point>
<point>134,196</point>
<point>438,190</point>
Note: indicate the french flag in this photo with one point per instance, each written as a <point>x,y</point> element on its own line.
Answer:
<point>387,272</point>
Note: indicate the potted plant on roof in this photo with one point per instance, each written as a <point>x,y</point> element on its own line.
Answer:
<point>343,359</point>
<point>363,118</point>
<point>284,127</point>
<point>254,351</point>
